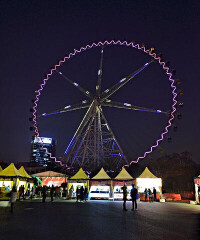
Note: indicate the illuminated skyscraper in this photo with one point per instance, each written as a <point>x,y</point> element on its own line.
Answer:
<point>41,149</point>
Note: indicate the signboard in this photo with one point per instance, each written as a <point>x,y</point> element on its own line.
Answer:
<point>100,183</point>
<point>49,181</point>
<point>43,140</point>
<point>120,183</point>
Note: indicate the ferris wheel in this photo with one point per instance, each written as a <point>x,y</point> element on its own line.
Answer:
<point>94,143</point>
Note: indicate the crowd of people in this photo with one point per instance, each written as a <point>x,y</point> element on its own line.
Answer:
<point>149,195</point>
<point>81,194</point>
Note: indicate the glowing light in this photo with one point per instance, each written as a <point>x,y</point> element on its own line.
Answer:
<point>107,90</point>
<point>99,72</point>
<point>68,106</point>
<point>87,92</point>
<point>108,100</point>
<point>60,73</point>
<point>84,101</point>
<point>127,104</point>
<point>122,80</point>
<point>44,114</point>
<point>76,84</point>
<point>159,111</point>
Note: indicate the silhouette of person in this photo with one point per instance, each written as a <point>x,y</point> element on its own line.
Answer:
<point>44,194</point>
<point>52,193</point>
<point>78,193</point>
<point>134,193</point>
<point>81,193</point>
<point>13,198</point>
<point>124,188</point>
<point>85,193</point>
<point>145,194</point>
<point>154,194</point>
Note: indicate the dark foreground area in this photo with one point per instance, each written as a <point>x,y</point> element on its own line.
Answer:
<point>99,220</point>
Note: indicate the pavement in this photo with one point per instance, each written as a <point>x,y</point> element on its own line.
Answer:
<point>66,219</point>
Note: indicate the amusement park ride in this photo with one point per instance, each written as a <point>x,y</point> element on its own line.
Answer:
<point>94,144</point>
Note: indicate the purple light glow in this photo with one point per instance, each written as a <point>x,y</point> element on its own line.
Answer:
<point>67,106</point>
<point>113,42</point>
<point>122,80</point>
<point>127,104</point>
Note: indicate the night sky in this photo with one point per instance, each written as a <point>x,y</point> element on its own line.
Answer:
<point>36,34</point>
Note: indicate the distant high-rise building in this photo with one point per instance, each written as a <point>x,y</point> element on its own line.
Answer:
<point>41,148</point>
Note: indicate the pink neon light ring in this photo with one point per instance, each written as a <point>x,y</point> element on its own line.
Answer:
<point>113,42</point>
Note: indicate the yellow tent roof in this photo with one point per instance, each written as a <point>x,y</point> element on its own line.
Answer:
<point>23,172</point>
<point>49,174</point>
<point>10,171</point>
<point>147,174</point>
<point>1,168</point>
<point>101,175</point>
<point>80,175</point>
<point>123,175</point>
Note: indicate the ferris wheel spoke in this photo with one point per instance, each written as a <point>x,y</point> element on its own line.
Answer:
<point>68,108</point>
<point>110,91</point>
<point>98,86</point>
<point>76,85</point>
<point>129,106</point>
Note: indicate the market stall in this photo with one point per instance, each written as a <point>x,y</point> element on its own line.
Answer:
<point>197,189</point>
<point>123,178</point>
<point>100,186</point>
<point>28,183</point>
<point>9,177</point>
<point>78,180</point>
<point>50,178</point>
<point>148,181</point>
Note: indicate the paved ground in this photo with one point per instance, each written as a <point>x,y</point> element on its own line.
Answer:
<point>99,220</point>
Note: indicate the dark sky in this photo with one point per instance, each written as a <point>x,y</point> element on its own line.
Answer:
<point>36,34</point>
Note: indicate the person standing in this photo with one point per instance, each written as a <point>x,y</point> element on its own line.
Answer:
<point>85,194</point>
<point>44,194</point>
<point>145,194</point>
<point>20,192</point>
<point>124,188</point>
<point>23,192</point>
<point>13,198</point>
<point>71,192</point>
<point>150,195</point>
<point>78,193</point>
<point>134,193</point>
<point>81,193</point>
<point>52,193</point>
<point>154,194</point>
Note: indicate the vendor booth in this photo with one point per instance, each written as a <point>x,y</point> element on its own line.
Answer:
<point>197,189</point>
<point>123,178</point>
<point>28,183</point>
<point>10,177</point>
<point>50,178</point>
<point>148,181</point>
<point>78,180</point>
<point>100,186</point>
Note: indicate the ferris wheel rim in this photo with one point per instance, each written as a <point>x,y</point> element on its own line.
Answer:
<point>141,47</point>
